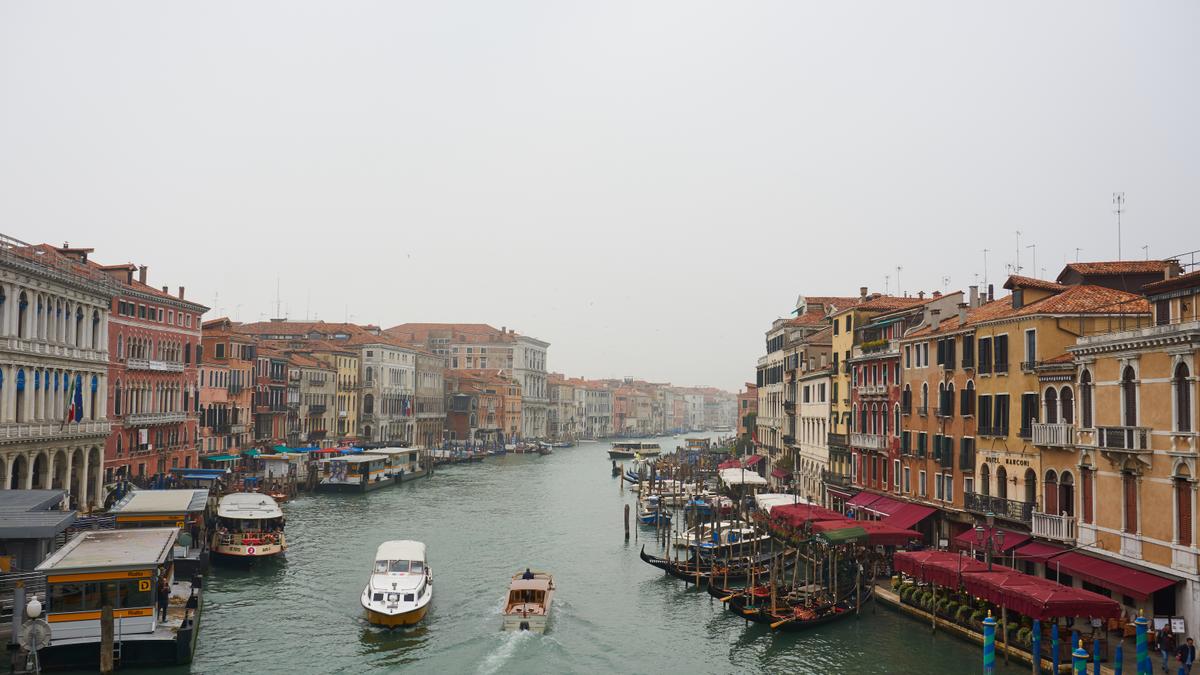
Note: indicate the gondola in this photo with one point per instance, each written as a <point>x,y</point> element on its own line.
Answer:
<point>722,571</point>
<point>756,606</point>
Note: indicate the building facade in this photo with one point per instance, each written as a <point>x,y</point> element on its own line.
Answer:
<point>227,377</point>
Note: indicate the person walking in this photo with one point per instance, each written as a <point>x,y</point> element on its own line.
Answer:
<point>1187,656</point>
<point>1166,645</point>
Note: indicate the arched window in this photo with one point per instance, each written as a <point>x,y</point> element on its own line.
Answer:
<point>906,400</point>
<point>1085,399</point>
<point>896,420</point>
<point>1066,493</point>
<point>924,396</point>
<point>949,412</point>
<point>1001,482</point>
<point>1129,396</point>
<point>985,479</point>
<point>369,402</point>
<point>1030,486</point>
<point>1051,400</point>
<point>1067,403</point>
<point>968,398</point>
<point>22,314</point>
<point>95,329</point>
<point>117,400</point>
<point>78,327</point>
<point>1183,398</point>
<point>1087,488</point>
<point>941,408</point>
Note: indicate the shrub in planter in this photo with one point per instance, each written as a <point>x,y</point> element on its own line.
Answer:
<point>895,582</point>
<point>905,593</point>
<point>963,613</point>
<point>977,616</point>
<point>952,608</point>
<point>1025,637</point>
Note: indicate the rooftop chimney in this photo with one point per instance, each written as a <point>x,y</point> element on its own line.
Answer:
<point>862,291</point>
<point>962,312</point>
<point>974,296</point>
<point>142,273</point>
<point>935,318</point>
<point>181,292</point>
<point>920,295</point>
<point>165,292</point>
<point>991,293</point>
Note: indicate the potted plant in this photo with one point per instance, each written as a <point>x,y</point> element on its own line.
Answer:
<point>963,613</point>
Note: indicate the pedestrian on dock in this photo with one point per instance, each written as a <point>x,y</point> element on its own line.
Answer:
<point>1166,645</point>
<point>164,598</point>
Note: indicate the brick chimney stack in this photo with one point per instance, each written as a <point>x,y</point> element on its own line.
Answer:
<point>142,273</point>
<point>181,292</point>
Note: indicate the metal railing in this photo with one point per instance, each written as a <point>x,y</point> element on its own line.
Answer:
<point>1053,434</point>
<point>35,430</point>
<point>834,478</point>
<point>1003,508</point>
<point>316,409</point>
<point>1050,526</point>
<point>1128,439</point>
<point>1028,366</point>
<point>993,430</point>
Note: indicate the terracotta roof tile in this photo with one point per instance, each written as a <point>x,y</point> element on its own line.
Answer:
<point>1116,267</point>
<point>1017,281</point>
<point>1189,280</point>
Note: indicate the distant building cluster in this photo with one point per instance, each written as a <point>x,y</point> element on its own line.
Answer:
<point>1065,411</point>
<point>105,378</point>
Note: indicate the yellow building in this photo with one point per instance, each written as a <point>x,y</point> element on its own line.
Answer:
<point>1136,453</point>
<point>1020,341</point>
<point>345,362</point>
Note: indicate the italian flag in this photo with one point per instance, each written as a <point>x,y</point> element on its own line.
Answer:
<point>71,394</point>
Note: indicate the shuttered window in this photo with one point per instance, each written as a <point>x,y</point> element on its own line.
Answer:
<point>1129,389</point>
<point>1085,480</point>
<point>1131,505</point>
<point>1183,510</point>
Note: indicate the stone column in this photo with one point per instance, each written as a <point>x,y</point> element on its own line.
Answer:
<point>97,488</point>
<point>83,484</point>
<point>28,482</point>
<point>70,465</point>
<point>48,480</point>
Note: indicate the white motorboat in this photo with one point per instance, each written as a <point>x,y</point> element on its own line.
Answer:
<point>401,585</point>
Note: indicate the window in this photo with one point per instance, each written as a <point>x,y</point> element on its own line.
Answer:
<point>1029,413</point>
<point>968,355</point>
<point>1085,399</point>
<point>1183,508</point>
<point>908,356</point>
<point>985,355</point>
<point>921,489</point>
<point>1050,400</point>
<point>968,485</point>
<point>922,443</point>
<point>949,478</point>
<point>938,492</point>
<point>1130,494</point>
<point>896,473</point>
<point>1067,405</point>
<point>1183,399</point>
<point>1030,348</point>
<point>967,404</point>
<point>941,354</point>
<point>966,454</point>
<point>1000,364</point>
<point>985,415</point>
<point>907,479</point>
<point>1162,312</point>
<point>1129,397</point>
<point>1000,418</point>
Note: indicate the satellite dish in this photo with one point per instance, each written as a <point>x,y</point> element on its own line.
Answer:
<point>34,635</point>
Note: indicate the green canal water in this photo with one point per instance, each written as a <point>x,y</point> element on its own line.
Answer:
<point>482,523</point>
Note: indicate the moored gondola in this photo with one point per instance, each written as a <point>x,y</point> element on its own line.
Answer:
<point>755,605</point>
<point>722,571</point>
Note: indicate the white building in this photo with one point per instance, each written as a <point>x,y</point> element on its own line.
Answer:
<point>53,342</point>
<point>812,434</point>
<point>387,393</point>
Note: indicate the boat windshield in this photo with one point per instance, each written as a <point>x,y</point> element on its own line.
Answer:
<point>399,566</point>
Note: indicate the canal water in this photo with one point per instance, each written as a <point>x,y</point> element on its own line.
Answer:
<point>484,522</point>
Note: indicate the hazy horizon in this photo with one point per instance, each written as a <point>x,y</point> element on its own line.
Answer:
<point>646,186</point>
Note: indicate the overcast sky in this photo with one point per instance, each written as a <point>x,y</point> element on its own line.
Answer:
<point>646,185</point>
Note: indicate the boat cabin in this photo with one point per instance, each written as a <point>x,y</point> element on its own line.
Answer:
<point>121,568</point>
<point>697,444</point>
<point>527,596</point>
<point>407,460</point>
<point>354,470</point>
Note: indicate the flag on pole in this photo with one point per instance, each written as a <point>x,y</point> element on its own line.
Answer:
<point>69,414</point>
<point>77,404</point>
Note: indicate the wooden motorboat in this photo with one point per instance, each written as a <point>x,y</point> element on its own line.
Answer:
<point>401,585</point>
<point>527,606</point>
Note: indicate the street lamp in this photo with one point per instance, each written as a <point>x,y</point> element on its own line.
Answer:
<point>990,538</point>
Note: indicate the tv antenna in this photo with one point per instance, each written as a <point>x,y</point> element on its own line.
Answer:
<point>1017,267</point>
<point>1034,247</point>
<point>899,289</point>
<point>1119,202</point>
<point>1077,250</point>
<point>985,252</point>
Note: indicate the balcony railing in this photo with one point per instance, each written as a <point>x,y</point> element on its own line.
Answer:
<point>1003,508</point>
<point>838,440</point>
<point>869,441</point>
<point>788,439</point>
<point>833,478</point>
<point>993,430</point>
<point>1126,439</point>
<point>923,410</point>
<point>316,409</point>
<point>154,364</point>
<point>49,430</point>
<point>237,428</point>
<point>1053,435</point>
<point>1050,526</point>
<point>155,418</point>
<point>1028,366</point>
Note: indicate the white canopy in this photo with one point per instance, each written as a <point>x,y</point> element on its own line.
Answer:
<point>769,500</point>
<point>741,477</point>
<point>401,549</point>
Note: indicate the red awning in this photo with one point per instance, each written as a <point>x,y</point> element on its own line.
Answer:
<point>752,460</point>
<point>862,499</point>
<point>729,464</point>
<point>884,506</point>
<point>797,515</point>
<point>1038,598</point>
<point>1011,540</point>
<point>884,534</point>
<point>1121,578</point>
<point>908,515</point>
<point>1038,551</point>
<point>839,492</point>
<point>780,474</point>
<point>940,567</point>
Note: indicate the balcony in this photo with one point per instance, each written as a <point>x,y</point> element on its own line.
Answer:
<point>993,430</point>
<point>1003,508</point>
<point>789,439</point>
<point>237,428</point>
<point>1050,526</point>
<point>1053,435</point>
<point>833,478</point>
<point>869,441</point>
<point>873,390</point>
<point>317,409</point>
<point>789,407</point>
<point>149,419</point>
<point>32,431</point>
<point>1123,439</point>
<point>318,381</point>
<point>837,440</point>
<point>1028,366</point>
<point>155,365</point>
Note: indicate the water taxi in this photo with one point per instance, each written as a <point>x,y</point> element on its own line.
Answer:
<point>528,604</point>
<point>631,449</point>
<point>401,585</point>
<point>249,526</point>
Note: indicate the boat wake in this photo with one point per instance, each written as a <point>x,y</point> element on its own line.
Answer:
<point>496,660</point>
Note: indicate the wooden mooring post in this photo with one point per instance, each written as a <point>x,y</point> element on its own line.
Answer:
<point>626,522</point>
<point>106,640</point>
